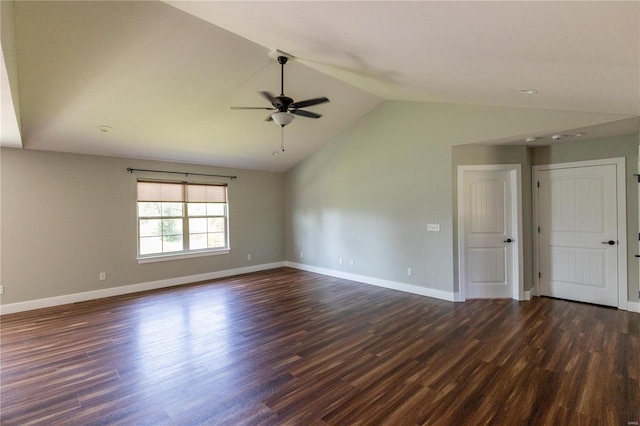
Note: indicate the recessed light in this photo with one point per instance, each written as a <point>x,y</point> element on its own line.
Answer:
<point>577,135</point>
<point>531,139</point>
<point>104,129</point>
<point>527,91</point>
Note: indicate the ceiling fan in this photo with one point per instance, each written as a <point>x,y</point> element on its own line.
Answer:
<point>286,109</point>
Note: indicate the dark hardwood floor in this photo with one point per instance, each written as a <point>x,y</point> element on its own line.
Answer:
<point>286,347</point>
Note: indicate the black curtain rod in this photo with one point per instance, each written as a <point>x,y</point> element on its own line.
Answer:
<point>130,170</point>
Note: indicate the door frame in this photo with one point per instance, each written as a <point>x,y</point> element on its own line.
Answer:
<point>516,224</point>
<point>621,195</point>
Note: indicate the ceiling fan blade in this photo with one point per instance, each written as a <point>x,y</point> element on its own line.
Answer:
<point>268,119</point>
<point>270,109</point>
<point>308,103</point>
<point>268,96</point>
<point>304,113</point>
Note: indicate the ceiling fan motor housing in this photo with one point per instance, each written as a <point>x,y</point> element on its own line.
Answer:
<point>281,103</point>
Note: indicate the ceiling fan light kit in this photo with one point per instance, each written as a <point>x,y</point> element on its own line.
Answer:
<point>282,118</point>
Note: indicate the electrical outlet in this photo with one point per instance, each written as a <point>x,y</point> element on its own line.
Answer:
<point>340,260</point>
<point>1,289</point>
<point>103,276</point>
<point>433,227</point>
<point>248,257</point>
<point>409,271</point>
<point>301,255</point>
<point>351,262</point>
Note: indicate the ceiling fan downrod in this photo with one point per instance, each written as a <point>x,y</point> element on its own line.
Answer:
<point>282,60</point>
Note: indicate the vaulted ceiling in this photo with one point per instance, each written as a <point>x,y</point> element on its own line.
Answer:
<point>163,75</point>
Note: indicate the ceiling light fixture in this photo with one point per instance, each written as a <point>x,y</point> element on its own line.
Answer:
<point>527,91</point>
<point>104,129</point>
<point>282,118</point>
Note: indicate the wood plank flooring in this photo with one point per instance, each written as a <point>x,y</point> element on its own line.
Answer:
<point>286,347</point>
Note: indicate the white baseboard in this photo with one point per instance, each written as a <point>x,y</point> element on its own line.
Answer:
<point>393,285</point>
<point>152,285</point>
<point>132,288</point>
<point>633,306</point>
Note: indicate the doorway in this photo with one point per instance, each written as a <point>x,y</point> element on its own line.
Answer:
<point>490,249</point>
<point>580,220</point>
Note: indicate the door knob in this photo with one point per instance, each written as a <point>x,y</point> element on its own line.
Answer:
<point>610,242</point>
<point>508,240</point>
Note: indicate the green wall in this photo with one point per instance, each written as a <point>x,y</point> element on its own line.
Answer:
<point>369,193</point>
<point>564,152</point>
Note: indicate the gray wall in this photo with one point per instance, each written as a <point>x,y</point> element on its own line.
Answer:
<point>369,194</point>
<point>597,149</point>
<point>67,217</point>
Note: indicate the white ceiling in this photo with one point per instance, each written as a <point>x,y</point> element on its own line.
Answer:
<point>164,75</point>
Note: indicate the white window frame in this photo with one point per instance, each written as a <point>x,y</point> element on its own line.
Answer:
<point>186,253</point>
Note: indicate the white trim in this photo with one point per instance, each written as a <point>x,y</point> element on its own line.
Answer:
<point>393,285</point>
<point>621,193</point>
<point>167,257</point>
<point>132,288</point>
<point>516,181</point>
<point>633,306</point>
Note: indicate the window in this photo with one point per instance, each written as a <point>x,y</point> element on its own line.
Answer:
<point>176,218</point>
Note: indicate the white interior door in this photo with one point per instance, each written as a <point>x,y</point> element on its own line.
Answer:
<point>579,240</point>
<point>489,266</point>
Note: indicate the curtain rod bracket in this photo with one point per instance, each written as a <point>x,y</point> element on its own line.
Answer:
<point>186,174</point>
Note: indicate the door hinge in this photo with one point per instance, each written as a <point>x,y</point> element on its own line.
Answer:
<point>539,275</point>
<point>539,231</point>
<point>538,184</point>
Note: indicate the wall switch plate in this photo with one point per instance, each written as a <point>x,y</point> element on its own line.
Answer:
<point>433,227</point>
<point>351,262</point>
<point>103,276</point>
<point>340,260</point>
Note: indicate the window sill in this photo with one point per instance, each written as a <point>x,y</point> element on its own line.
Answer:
<point>167,257</point>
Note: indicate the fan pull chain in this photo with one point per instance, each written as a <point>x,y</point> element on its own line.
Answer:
<point>282,138</point>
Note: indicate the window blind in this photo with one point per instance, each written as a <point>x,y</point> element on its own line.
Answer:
<point>180,192</point>
<point>204,193</point>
